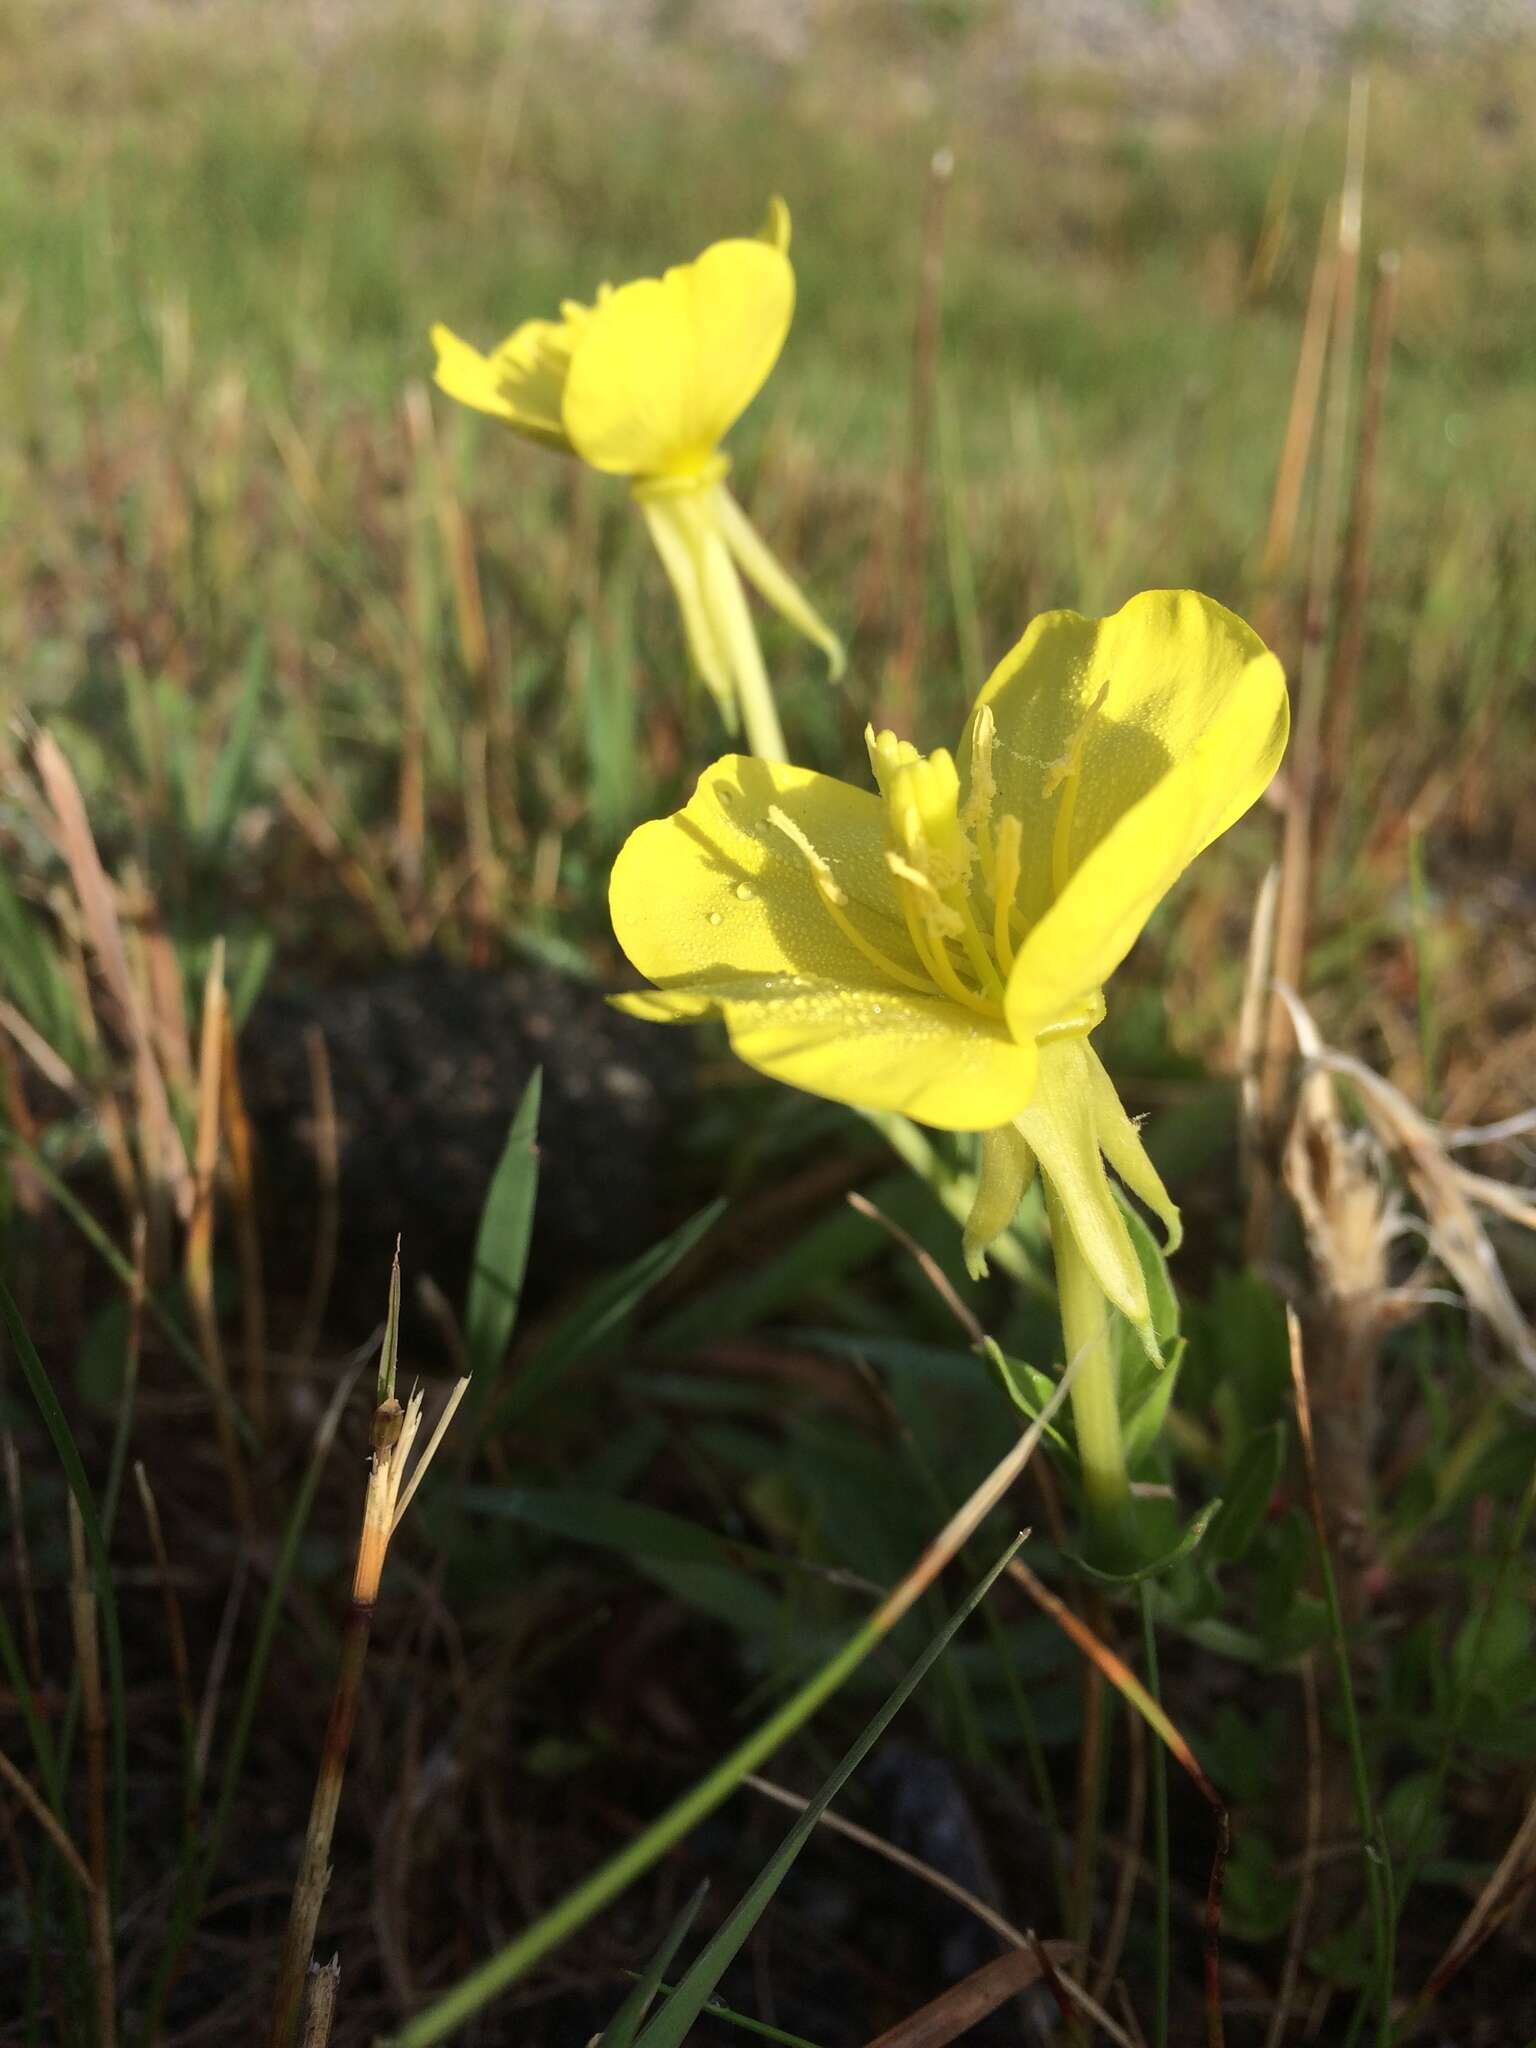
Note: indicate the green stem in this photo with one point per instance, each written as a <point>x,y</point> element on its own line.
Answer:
<point>1159,1826</point>
<point>1090,1350</point>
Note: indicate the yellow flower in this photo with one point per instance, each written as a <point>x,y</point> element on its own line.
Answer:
<point>645,384</point>
<point>940,948</point>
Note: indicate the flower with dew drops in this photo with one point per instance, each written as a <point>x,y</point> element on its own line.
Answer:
<point>939,946</point>
<point>645,383</point>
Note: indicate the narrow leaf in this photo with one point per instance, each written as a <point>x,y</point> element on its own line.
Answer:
<point>625,2024</point>
<point>606,1306</point>
<point>501,1244</point>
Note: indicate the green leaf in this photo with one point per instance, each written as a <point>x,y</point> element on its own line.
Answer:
<point>1028,1389</point>
<point>606,1306</point>
<point>501,1244</point>
<point>1141,1423</point>
<point>630,1527</point>
<point>1492,1649</point>
<point>1161,1296</point>
<point>1249,1490</point>
<point>1188,1541</point>
<point>625,2024</point>
<point>670,2027</point>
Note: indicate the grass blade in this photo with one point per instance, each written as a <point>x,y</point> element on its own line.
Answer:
<point>671,2024</point>
<point>101,1571</point>
<point>625,2024</point>
<point>501,1245</point>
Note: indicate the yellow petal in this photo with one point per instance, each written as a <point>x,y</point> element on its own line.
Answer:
<point>719,889</point>
<point>1125,745</point>
<point>775,229</point>
<point>884,1049</point>
<point>522,382</point>
<point>664,366</point>
<point>467,375</point>
<point>720,905</point>
<point>1061,1127</point>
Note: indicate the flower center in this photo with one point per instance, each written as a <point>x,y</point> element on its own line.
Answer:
<point>955,869</point>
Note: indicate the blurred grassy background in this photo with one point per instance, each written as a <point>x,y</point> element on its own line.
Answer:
<point>228,231</point>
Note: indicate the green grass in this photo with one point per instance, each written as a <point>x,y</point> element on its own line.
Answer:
<point>232,584</point>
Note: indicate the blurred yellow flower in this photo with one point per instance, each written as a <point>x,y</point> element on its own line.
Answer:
<point>940,948</point>
<point>645,384</point>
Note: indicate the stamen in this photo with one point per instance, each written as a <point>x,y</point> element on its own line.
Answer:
<point>1005,888</point>
<point>931,923</point>
<point>935,908</point>
<point>834,898</point>
<point>983,791</point>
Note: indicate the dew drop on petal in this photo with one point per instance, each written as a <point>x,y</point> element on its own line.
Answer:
<point>745,892</point>
<point>714,917</point>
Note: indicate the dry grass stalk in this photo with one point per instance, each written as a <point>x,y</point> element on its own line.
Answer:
<point>901,708</point>
<point>411,801</point>
<point>164,1156</point>
<point>1303,772</point>
<point>1129,1686</point>
<point>48,1063</point>
<point>198,1263</point>
<point>240,1159</point>
<point>927,1264</point>
<point>1296,1937</point>
<point>176,1634</point>
<point>394,1432</point>
<point>40,1811</point>
<point>901,1858</point>
<point>456,536</point>
<point>964,2005</point>
<point>1349,1220</point>
<point>1510,1883</point>
<point>1125,1888</point>
<point>218,1665</point>
<point>1448,1193</point>
<point>327,1150</point>
<point>1354,581</point>
<point>21,1558</point>
<point>167,999</point>
<point>1090,1783</point>
<point>320,1993</point>
<point>1252,1026</point>
<point>1285,505</point>
<point>82,1614</point>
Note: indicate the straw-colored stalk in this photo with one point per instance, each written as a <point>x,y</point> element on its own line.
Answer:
<point>328,1185</point>
<point>901,706</point>
<point>1303,775</point>
<point>320,2002</point>
<point>394,1432</point>
<point>82,1615</point>
<point>1355,577</point>
<point>240,1158</point>
<point>198,1264</point>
